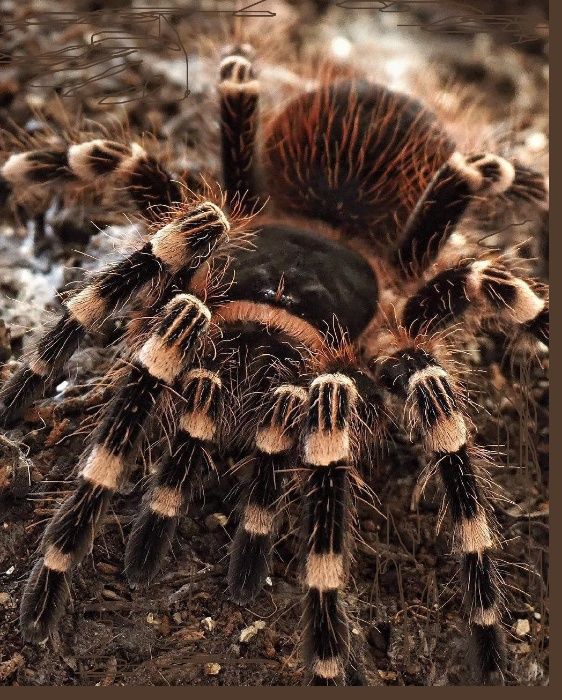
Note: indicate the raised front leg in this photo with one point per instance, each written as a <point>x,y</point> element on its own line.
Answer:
<point>239,104</point>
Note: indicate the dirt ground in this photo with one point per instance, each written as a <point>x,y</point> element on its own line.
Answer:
<point>404,599</point>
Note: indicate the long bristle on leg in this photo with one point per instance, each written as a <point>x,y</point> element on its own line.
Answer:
<point>423,383</point>
<point>70,533</point>
<point>453,188</point>
<point>274,442</point>
<point>183,244</point>
<point>328,456</point>
<point>179,477</point>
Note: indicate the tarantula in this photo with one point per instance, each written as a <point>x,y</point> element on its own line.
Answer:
<point>329,315</point>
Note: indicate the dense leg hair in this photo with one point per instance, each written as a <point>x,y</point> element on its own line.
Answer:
<point>454,187</point>
<point>239,102</point>
<point>150,186</point>
<point>70,533</point>
<point>183,244</point>
<point>328,456</point>
<point>179,477</point>
<point>274,453</point>
<point>417,377</point>
<point>478,289</point>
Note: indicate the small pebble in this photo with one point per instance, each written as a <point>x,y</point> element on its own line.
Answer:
<point>247,634</point>
<point>250,632</point>
<point>208,623</point>
<point>522,628</point>
<point>212,669</point>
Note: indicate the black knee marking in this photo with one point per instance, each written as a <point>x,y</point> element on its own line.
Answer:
<point>152,188</point>
<point>47,165</point>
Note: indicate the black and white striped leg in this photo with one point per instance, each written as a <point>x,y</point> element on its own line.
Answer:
<point>150,186</point>
<point>426,388</point>
<point>482,289</point>
<point>183,244</point>
<point>69,536</point>
<point>239,95</point>
<point>179,477</point>
<point>328,455</point>
<point>275,453</point>
<point>453,188</point>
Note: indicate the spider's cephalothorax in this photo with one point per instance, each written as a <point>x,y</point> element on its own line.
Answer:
<point>342,164</point>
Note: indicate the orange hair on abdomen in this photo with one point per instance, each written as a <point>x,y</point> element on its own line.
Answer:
<point>353,154</point>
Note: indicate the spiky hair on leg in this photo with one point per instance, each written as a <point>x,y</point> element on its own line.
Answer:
<point>341,395</point>
<point>275,454</point>
<point>179,476</point>
<point>433,407</point>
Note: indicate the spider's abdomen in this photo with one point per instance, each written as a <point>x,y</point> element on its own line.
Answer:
<point>308,276</point>
<point>354,154</point>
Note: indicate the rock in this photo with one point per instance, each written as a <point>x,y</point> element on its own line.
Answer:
<point>250,632</point>
<point>208,623</point>
<point>9,667</point>
<point>521,628</point>
<point>388,676</point>
<point>212,669</point>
